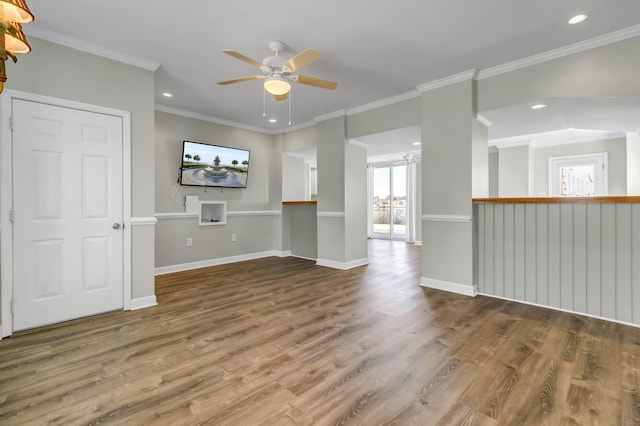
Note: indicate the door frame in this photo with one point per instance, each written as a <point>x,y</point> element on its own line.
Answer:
<point>6,195</point>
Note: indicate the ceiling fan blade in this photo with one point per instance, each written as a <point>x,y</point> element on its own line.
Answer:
<point>241,79</point>
<point>317,82</point>
<point>243,58</point>
<point>302,59</point>
<point>281,97</point>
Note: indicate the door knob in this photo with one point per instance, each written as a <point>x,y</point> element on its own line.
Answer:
<point>116,226</point>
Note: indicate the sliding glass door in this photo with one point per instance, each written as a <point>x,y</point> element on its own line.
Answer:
<point>390,201</point>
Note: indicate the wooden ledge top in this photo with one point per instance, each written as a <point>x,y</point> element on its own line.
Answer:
<point>562,200</point>
<point>299,203</point>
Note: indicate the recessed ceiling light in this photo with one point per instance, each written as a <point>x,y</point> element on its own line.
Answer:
<point>167,95</point>
<point>416,143</point>
<point>273,120</point>
<point>577,19</point>
<point>538,106</point>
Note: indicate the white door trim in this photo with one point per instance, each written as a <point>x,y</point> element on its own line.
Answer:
<point>6,195</point>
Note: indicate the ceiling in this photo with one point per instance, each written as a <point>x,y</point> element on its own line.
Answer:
<point>374,52</point>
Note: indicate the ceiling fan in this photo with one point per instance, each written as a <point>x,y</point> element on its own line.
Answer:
<point>277,71</point>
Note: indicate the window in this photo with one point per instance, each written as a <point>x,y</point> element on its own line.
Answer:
<point>578,175</point>
<point>389,201</point>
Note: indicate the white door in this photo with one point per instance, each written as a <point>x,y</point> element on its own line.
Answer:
<point>67,201</point>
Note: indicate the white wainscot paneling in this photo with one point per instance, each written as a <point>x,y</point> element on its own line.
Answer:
<point>577,257</point>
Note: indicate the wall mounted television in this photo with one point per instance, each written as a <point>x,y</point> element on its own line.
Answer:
<point>213,166</point>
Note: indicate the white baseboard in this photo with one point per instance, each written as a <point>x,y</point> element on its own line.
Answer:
<point>560,309</point>
<point>342,265</point>
<point>286,253</point>
<point>214,262</point>
<point>143,302</point>
<point>467,290</point>
<point>417,243</point>
<point>302,257</point>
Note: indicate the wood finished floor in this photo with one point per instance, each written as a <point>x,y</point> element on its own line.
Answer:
<point>283,342</point>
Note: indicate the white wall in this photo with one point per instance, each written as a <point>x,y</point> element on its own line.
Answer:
<point>633,163</point>
<point>295,178</point>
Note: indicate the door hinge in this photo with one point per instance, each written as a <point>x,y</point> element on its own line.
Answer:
<point>11,123</point>
<point>12,312</point>
<point>11,215</point>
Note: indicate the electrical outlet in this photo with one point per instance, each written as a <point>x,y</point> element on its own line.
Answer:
<point>233,237</point>
<point>189,242</point>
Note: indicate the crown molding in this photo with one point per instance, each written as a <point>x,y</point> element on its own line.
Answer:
<point>561,52</point>
<point>329,116</point>
<point>510,142</point>
<point>91,48</point>
<point>447,81</point>
<point>198,116</point>
<point>301,156</point>
<point>356,142</point>
<point>299,126</point>
<point>383,102</point>
<point>483,120</point>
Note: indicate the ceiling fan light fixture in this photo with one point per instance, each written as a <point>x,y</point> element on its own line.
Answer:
<point>277,85</point>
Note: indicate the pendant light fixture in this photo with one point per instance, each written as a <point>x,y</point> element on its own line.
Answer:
<point>13,13</point>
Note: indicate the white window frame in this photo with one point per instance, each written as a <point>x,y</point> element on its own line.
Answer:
<point>600,161</point>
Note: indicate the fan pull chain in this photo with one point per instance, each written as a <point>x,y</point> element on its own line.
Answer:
<point>290,94</point>
<point>264,103</point>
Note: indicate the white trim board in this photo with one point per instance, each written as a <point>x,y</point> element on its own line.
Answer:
<point>581,46</point>
<point>559,309</point>
<point>183,215</point>
<point>458,288</point>
<point>210,119</point>
<point>162,270</point>
<point>384,102</point>
<point>446,218</point>
<point>255,213</point>
<point>447,81</point>
<point>94,49</point>
<point>141,221</point>
<point>143,302</point>
<point>342,265</point>
<point>330,214</point>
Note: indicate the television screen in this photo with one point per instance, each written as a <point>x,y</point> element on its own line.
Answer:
<point>212,165</point>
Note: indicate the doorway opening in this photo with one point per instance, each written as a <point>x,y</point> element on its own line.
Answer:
<point>389,201</point>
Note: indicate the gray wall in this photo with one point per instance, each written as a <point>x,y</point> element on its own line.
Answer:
<point>300,225</point>
<point>479,160</point>
<point>389,117</point>
<point>264,185</point>
<point>258,229</point>
<point>514,171</point>
<point>523,171</point>
<point>447,132</point>
<point>58,71</point>
<point>355,202</point>
<point>617,159</point>
<point>610,70</point>
<point>493,174</point>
